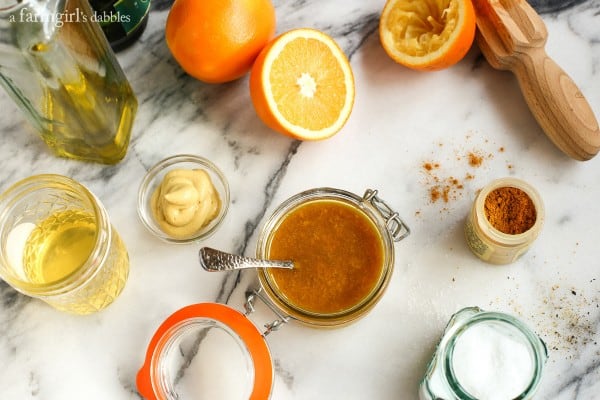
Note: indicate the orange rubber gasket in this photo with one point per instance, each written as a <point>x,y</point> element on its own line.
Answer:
<point>242,326</point>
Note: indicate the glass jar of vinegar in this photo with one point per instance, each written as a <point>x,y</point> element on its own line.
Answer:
<point>57,245</point>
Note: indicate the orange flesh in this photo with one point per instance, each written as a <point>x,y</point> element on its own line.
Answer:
<point>337,253</point>
<point>427,35</point>
<point>308,62</point>
<point>422,27</point>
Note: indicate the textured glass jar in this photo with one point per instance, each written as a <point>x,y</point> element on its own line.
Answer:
<point>54,206</point>
<point>441,380</point>
<point>59,69</point>
<point>492,245</point>
<point>390,229</point>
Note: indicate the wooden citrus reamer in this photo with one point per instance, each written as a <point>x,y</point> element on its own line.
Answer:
<point>512,36</point>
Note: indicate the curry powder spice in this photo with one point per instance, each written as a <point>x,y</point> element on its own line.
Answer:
<point>510,210</point>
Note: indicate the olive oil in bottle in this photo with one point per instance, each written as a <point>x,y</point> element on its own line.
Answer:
<point>66,79</point>
<point>92,117</point>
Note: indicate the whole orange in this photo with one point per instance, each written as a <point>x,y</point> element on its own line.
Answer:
<point>217,41</point>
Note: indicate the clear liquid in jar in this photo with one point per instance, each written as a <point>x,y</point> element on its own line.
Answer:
<point>60,246</point>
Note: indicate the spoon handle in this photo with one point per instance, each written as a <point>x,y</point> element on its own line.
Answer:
<point>215,260</point>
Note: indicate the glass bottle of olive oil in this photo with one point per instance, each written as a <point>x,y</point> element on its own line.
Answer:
<point>59,68</point>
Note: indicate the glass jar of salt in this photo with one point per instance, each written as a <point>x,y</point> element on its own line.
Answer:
<point>485,356</point>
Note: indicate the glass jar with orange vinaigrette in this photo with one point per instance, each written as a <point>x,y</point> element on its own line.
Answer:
<point>342,246</point>
<point>241,365</point>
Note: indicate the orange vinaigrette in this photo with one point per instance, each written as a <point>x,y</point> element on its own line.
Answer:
<point>338,256</point>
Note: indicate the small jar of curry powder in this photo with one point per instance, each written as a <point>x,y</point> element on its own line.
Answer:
<point>506,217</point>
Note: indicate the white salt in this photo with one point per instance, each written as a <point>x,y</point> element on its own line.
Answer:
<point>493,361</point>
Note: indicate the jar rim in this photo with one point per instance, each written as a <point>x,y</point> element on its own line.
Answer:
<point>368,302</point>
<point>536,346</point>
<point>81,275</point>
<point>507,238</point>
<point>163,379</point>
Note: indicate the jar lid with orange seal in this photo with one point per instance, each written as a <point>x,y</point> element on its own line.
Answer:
<point>206,350</point>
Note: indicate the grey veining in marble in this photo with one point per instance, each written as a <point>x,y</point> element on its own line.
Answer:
<point>547,6</point>
<point>401,121</point>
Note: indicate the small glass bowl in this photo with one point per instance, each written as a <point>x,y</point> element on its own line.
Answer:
<point>152,181</point>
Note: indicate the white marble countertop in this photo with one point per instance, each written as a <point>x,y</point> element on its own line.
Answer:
<point>400,121</point>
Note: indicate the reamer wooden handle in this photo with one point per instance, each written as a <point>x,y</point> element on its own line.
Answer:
<point>557,104</point>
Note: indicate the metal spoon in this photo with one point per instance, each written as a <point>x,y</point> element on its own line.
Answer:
<point>215,260</point>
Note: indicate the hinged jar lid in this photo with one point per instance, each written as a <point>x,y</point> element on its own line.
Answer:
<point>206,350</point>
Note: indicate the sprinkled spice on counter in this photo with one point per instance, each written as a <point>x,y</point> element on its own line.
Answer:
<point>449,188</point>
<point>560,316</point>
<point>445,189</point>
<point>475,160</point>
<point>510,210</point>
<point>452,167</point>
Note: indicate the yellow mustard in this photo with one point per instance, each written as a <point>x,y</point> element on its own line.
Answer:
<point>185,202</point>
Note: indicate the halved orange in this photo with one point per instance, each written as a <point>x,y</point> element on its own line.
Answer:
<point>302,85</point>
<point>427,34</point>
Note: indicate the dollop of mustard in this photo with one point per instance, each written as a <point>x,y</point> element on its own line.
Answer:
<point>185,202</point>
